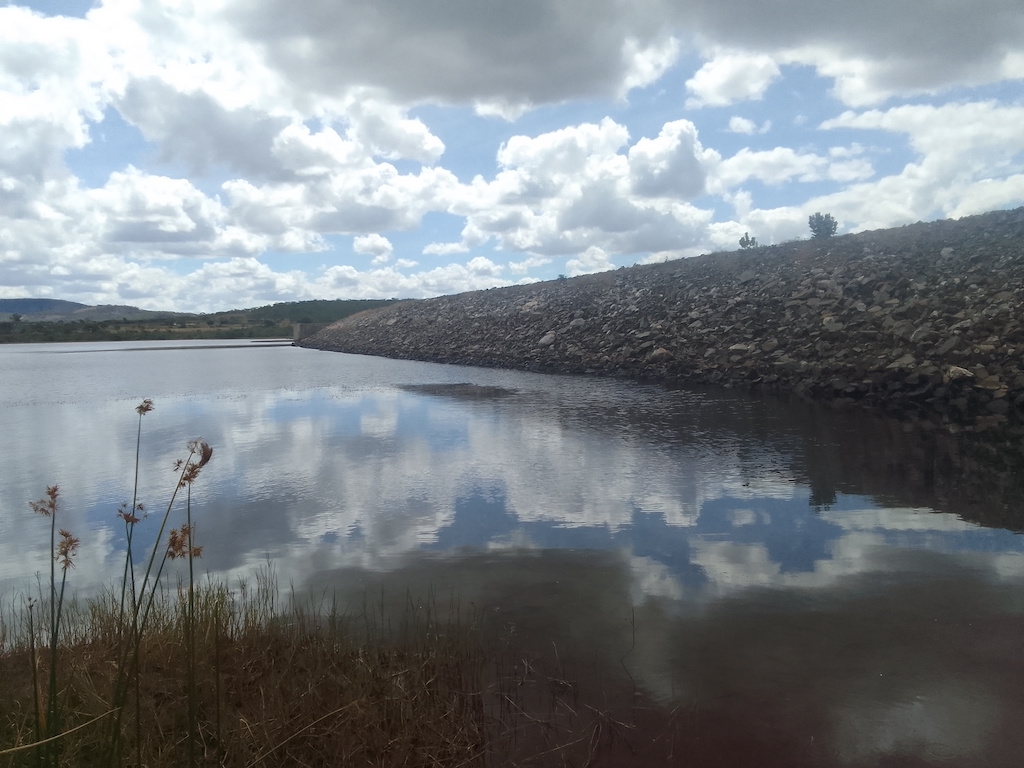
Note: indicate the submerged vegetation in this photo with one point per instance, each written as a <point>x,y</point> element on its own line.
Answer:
<point>161,670</point>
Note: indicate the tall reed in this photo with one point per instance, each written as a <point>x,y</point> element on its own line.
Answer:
<point>144,597</point>
<point>61,552</point>
<point>133,608</point>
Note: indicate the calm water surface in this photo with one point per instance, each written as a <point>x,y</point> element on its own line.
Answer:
<point>799,587</point>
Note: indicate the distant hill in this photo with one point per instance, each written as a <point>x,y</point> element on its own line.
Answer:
<point>315,311</point>
<point>49,320</point>
<point>38,306</point>
<point>58,311</point>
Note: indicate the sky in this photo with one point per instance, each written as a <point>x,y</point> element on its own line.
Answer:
<point>203,156</point>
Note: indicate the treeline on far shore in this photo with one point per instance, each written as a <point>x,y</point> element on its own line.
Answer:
<point>272,321</point>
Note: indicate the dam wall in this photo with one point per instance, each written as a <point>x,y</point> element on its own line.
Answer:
<point>925,322</point>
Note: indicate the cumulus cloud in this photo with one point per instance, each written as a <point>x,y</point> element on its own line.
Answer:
<point>262,128</point>
<point>374,245</point>
<point>145,213</point>
<point>533,52</point>
<point>672,165</point>
<point>783,164</point>
<point>388,282</point>
<point>565,191</point>
<point>872,50</point>
<point>747,127</point>
<point>524,266</point>
<point>742,125</point>
<point>529,52</point>
<point>445,249</point>
<point>52,74</point>
<point>730,77</point>
<point>591,260</point>
<point>385,130</point>
<point>240,139</point>
<point>957,146</point>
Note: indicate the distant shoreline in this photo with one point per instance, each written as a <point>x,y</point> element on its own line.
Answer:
<point>251,343</point>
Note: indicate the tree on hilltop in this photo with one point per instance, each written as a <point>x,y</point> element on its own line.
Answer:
<point>822,225</point>
<point>747,241</point>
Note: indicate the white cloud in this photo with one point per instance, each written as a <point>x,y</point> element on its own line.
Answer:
<point>264,128</point>
<point>524,266</point>
<point>782,164</point>
<point>729,77</point>
<point>385,130</point>
<point>742,125</point>
<point>387,282</point>
<point>646,65</point>
<point>957,150</point>
<point>874,50</point>
<point>958,147</point>
<point>568,190</point>
<point>747,127</point>
<point>987,195</point>
<point>445,249</point>
<point>672,165</point>
<point>528,52</point>
<point>374,245</point>
<point>301,153</point>
<point>150,215</point>
<point>591,260</point>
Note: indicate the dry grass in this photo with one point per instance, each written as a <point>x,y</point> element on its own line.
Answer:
<point>312,683</point>
<point>305,686</point>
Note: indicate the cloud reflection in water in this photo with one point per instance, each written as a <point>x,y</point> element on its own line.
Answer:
<point>726,550</point>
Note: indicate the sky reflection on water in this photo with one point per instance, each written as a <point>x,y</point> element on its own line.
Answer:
<point>718,519</point>
<point>374,460</point>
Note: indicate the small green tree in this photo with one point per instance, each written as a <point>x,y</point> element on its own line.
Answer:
<point>747,241</point>
<point>16,317</point>
<point>822,225</point>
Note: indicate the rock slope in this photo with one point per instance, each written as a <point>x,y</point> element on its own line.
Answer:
<point>925,321</point>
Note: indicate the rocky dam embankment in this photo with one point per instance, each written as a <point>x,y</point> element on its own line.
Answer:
<point>924,321</point>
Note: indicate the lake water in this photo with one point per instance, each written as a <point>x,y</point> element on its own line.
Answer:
<point>788,586</point>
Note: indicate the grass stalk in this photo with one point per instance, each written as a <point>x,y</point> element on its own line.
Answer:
<point>37,697</point>
<point>190,629</point>
<point>143,601</point>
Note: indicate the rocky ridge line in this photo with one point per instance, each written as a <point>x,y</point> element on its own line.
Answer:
<point>924,321</point>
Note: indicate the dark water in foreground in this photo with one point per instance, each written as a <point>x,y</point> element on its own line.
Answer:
<point>734,582</point>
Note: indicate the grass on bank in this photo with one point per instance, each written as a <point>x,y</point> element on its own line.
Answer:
<point>307,683</point>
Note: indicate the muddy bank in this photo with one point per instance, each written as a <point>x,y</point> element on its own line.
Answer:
<point>924,321</point>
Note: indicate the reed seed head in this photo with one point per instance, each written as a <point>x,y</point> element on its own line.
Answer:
<point>67,547</point>
<point>196,447</point>
<point>203,448</point>
<point>129,516</point>
<point>47,505</point>
<point>179,543</point>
